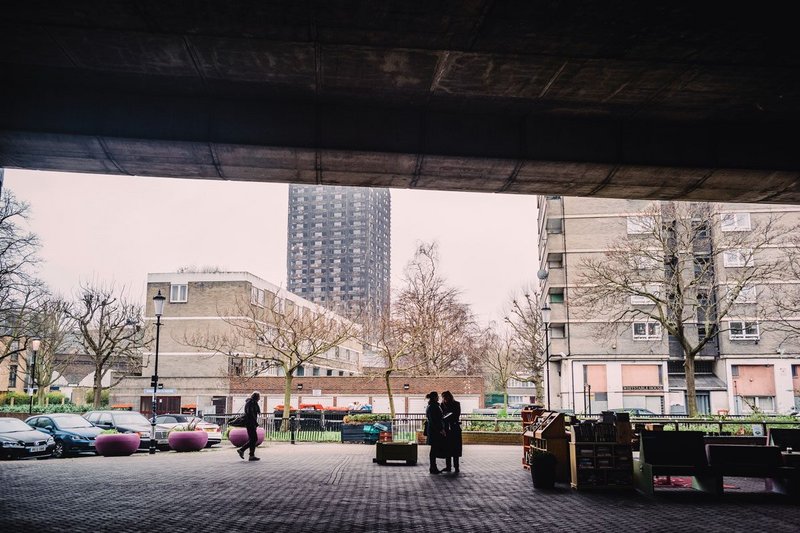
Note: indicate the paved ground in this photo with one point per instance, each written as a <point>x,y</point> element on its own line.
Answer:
<point>337,488</point>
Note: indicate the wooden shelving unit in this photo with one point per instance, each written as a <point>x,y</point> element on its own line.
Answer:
<point>545,431</point>
<point>528,417</point>
<point>603,463</point>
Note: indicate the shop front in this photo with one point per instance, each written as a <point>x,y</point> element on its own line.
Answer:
<point>643,387</point>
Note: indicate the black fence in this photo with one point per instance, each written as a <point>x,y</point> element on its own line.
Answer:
<point>326,426</point>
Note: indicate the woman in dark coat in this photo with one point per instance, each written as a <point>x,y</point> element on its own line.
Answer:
<point>435,430</point>
<point>451,410</point>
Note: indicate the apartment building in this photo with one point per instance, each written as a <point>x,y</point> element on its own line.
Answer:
<point>339,246</point>
<point>13,371</point>
<point>749,366</point>
<point>196,373</point>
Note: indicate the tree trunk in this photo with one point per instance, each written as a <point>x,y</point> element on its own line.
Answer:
<point>287,401</point>
<point>691,392</point>
<point>386,376</point>
<point>98,388</point>
<point>505,396</point>
<point>539,382</point>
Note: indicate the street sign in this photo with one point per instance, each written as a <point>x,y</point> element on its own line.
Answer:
<point>160,391</point>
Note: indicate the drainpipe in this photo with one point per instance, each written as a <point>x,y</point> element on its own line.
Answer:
<point>566,298</point>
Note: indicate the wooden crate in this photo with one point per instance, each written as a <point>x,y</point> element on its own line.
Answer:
<point>396,451</point>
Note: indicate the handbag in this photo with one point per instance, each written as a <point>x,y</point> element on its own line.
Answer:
<point>238,421</point>
<point>425,428</point>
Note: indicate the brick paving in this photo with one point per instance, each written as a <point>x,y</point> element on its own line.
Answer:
<point>337,488</point>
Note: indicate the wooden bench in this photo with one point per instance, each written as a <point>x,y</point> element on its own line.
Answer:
<point>672,453</point>
<point>735,439</point>
<point>785,438</point>
<point>751,461</point>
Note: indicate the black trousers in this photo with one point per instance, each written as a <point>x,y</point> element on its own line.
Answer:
<point>432,457</point>
<point>452,461</point>
<point>252,440</point>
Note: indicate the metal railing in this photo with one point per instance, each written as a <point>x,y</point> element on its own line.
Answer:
<point>316,426</point>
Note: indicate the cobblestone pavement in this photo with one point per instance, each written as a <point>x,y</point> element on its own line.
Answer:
<point>337,488</point>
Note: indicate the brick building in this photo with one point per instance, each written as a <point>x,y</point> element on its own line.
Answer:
<point>409,392</point>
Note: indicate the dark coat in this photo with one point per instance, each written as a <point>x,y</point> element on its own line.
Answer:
<point>452,425</point>
<point>251,412</point>
<point>436,440</point>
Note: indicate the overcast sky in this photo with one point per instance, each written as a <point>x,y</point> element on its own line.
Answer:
<point>119,228</point>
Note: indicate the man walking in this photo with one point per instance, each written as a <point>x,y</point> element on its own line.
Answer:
<point>251,412</point>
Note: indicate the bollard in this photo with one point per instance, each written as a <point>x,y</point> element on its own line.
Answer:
<point>291,427</point>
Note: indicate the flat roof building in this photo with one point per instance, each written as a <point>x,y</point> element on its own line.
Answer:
<point>339,246</point>
<point>747,367</point>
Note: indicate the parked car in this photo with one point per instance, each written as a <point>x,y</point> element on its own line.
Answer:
<point>20,441</point>
<point>635,411</point>
<point>73,433</point>
<point>514,409</point>
<point>129,422</point>
<point>170,421</point>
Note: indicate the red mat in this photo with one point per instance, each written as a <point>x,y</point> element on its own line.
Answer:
<point>681,482</point>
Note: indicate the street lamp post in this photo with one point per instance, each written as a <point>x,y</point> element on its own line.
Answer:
<point>546,320</point>
<point>35,345</point>
<point>158,305</point>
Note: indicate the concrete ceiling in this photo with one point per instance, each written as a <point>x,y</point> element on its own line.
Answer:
<point>650,99</point>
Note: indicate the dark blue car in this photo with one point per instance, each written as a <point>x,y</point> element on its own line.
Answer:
<point>73,433</point>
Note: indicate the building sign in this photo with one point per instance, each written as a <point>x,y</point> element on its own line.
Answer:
<point>642,387</point>
<point>316,392</point>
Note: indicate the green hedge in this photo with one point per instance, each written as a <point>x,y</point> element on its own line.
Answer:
<point>57,398</point>
<point>475,425</point>
<point>103,396</point>
<point>38,408</point>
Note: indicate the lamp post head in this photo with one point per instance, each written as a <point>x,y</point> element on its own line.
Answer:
<point>546,314</point>
<point>158,303</point>
<point>36,344</point>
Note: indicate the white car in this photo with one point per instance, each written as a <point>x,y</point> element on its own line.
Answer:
<point>171,421</point>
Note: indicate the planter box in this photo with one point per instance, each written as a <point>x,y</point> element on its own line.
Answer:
<point>188,441</point>
<point>483,437</point>
<point>491,437</point>
<point>238,436</point>
<point>116,444</point>
<point>396,451</point>
<point>366,432</point>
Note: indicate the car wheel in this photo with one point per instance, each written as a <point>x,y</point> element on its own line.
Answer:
<point>59,451</point>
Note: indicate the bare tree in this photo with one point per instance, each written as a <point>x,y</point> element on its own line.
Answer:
<point>527,337</point>
<point>441,328</point>
<point>501,358</point>
<point>393,345</point>
<point>109,332</point>
<point>280,333</point>
<point>52,324</point>
<point>664,275</point>
<point>20,290</point>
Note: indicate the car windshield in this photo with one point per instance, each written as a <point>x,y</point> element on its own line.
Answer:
<point>71,422</point>
<point>9,425</point>
<point>130,418</point>
<point>171,419</point>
